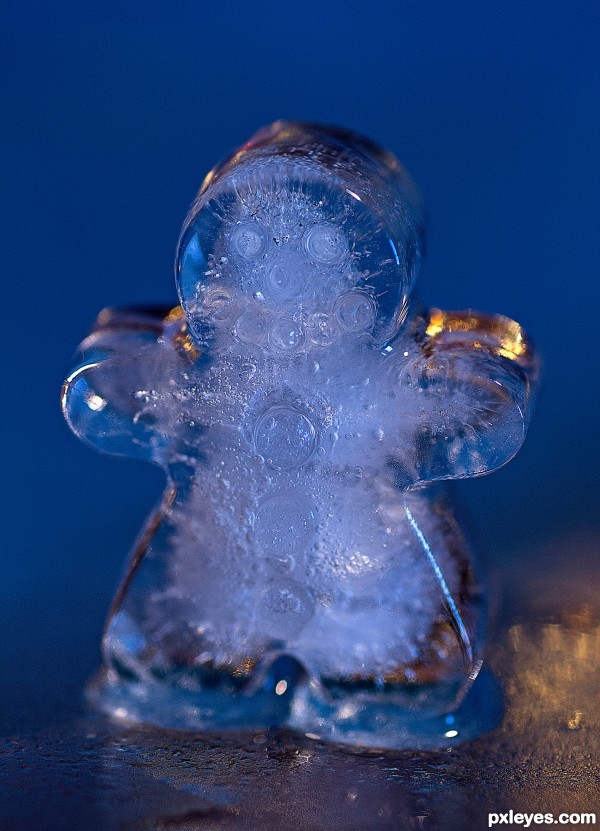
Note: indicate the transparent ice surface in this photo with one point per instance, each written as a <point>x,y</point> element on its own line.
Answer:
<point>304,567</point>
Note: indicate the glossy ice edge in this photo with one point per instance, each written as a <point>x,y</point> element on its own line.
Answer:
<point>380,724</point>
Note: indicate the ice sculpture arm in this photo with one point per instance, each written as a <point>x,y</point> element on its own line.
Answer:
<point>474,382</point>
<point>111,399</point>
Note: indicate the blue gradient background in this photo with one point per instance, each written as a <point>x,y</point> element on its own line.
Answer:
<point>112,114</point>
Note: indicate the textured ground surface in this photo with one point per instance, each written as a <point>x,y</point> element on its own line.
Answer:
<point>65,768</point>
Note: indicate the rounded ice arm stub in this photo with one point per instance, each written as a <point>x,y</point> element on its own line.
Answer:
<point>113,398</point>
<point>472,389</point>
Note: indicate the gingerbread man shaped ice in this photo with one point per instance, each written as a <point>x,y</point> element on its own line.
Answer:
<point>304,568</point>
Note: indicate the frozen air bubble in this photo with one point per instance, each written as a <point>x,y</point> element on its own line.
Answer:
<point>251,327</point>
<point>287,278</point>
<point>247,371</point>
<point>286,335</point>
<point>284,609</point>
<point>322,330</point>
<point>284,524</point>
<point>285,437</point>
<point>355,311</point>
<point>249,239</point>
<point>282,565</point>
<point>326,244</point>
<point>216,304</point>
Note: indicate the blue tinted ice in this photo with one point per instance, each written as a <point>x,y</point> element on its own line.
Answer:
<point>304,568</point>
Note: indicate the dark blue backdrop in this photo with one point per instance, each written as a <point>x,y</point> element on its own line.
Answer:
<point>111,115</point>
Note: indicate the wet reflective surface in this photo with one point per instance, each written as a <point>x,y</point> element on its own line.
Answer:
<point>70,769</point>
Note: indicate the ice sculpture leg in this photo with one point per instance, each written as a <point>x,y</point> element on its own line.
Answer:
<point>198,640</point>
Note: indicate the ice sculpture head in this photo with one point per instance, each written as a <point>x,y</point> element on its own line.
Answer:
<point>305,236</point>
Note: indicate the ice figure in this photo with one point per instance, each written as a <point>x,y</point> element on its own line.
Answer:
<point>305,567</point>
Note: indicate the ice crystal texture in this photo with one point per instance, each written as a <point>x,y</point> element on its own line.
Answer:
<point>305,567</point>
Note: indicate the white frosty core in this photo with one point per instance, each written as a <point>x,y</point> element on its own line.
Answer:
<point>300,525</point>
<point>295,434</point>
<point>284,524</point>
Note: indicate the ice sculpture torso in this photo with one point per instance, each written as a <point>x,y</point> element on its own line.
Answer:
<point>302,569</point>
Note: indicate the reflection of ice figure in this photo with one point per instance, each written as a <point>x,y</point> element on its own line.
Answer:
<point>303,568</point>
